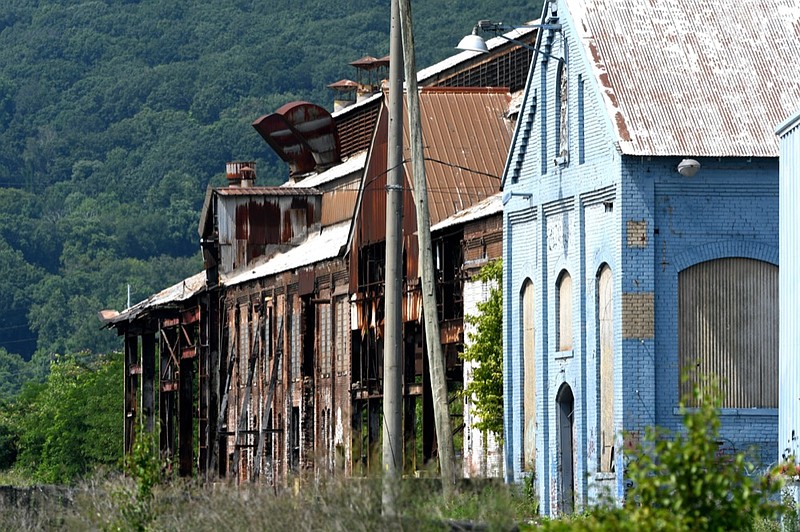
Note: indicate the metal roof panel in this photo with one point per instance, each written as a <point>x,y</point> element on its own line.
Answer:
<point>680,77</point>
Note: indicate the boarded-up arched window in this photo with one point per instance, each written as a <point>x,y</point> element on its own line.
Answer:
<point>605,318</point>
<point>728,328</point>
<point>529,357</point>
<point>564,302</point>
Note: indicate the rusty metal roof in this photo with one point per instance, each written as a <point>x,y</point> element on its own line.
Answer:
<point>681,77</point>
<point>303,134</point>
<point>267,191</point>
<point>325,244</point>
<point>343,84</point>
<point>466,138</point>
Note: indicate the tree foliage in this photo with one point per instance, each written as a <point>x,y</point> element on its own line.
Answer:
<point>116,115</point>
<point>485,350</point>
<point>70,424</point>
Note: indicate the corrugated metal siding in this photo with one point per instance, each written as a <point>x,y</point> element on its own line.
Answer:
<point>728,328</point>
<point>789,405</point>
<point>338,205</point>
<point>249,223</point>
<point>681,77</point>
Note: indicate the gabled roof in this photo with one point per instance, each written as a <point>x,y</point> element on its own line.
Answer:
<point>682,77</point>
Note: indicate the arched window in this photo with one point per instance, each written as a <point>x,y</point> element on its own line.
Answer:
<point>728,329</point>
<point>605,326</point>
<point>529,358</point>
<point>564,304</point>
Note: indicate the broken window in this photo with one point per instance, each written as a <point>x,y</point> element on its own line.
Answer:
<point>342,333</point>
<point>325,350</point>
<point>294,344</point>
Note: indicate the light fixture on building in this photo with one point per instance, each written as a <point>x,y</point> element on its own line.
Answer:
<point>688,167</point>
<point>475,43</point>
<point>507,195</point>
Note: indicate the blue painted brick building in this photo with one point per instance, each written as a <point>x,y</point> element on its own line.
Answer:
<point>641,234</point>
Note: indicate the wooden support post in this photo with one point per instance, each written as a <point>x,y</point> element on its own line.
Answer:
<point>444,431</point>
<point>166,399</point>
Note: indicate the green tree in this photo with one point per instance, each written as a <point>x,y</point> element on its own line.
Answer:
<point>71,423</point>
<point>485,349</point>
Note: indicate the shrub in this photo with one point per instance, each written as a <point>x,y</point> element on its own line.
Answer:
<point>681,482</point>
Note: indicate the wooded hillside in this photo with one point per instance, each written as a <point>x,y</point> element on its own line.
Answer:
<point>115,116</point>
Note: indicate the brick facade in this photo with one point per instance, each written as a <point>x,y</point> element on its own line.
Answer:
<point>646,222</point>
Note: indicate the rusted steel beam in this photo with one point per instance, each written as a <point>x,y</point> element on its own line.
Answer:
<point>148,380</point>
<point>186,418</point>
<point>223,405</point>
<point>189,353</point>
<point>131,357</point>
<point>267,408</point>
<point>251,370</point>
<point>191,316</point>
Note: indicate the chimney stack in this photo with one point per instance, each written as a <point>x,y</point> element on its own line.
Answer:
<point>241,173</point>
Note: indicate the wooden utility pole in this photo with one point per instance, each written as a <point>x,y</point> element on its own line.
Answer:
<point>393,296</point>
<point>441,413</point>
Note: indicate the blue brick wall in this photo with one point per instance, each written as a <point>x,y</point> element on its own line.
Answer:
<point>558,228</point>
<point>729,209</point>
<point>646,222</point>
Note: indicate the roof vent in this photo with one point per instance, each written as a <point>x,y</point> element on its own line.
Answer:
<point>345,93</point>
<point>241,173</point>
<point>370,73</point>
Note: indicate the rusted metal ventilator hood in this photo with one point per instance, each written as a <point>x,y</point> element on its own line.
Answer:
<point>302,134</point>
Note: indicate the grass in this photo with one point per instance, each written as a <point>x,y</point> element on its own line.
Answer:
<point>306,504</point>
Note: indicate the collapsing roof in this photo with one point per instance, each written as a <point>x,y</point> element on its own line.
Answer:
<point>176,293</point>
<point>681,77</point>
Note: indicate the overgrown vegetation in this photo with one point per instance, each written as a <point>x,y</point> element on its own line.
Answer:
<point>66,427</point>
<point>115,116</point>
<point>485,350</point>
<point>681,482</point>
<point>308,504</point>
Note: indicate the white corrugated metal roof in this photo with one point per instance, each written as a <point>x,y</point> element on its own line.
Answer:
<point>174,294</point>
<point>352,164</point>
<point>487,207</point>
<point>681,77</point>
<point>317,247</point>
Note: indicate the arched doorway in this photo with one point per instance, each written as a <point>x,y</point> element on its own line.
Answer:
<point>565,402</point>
